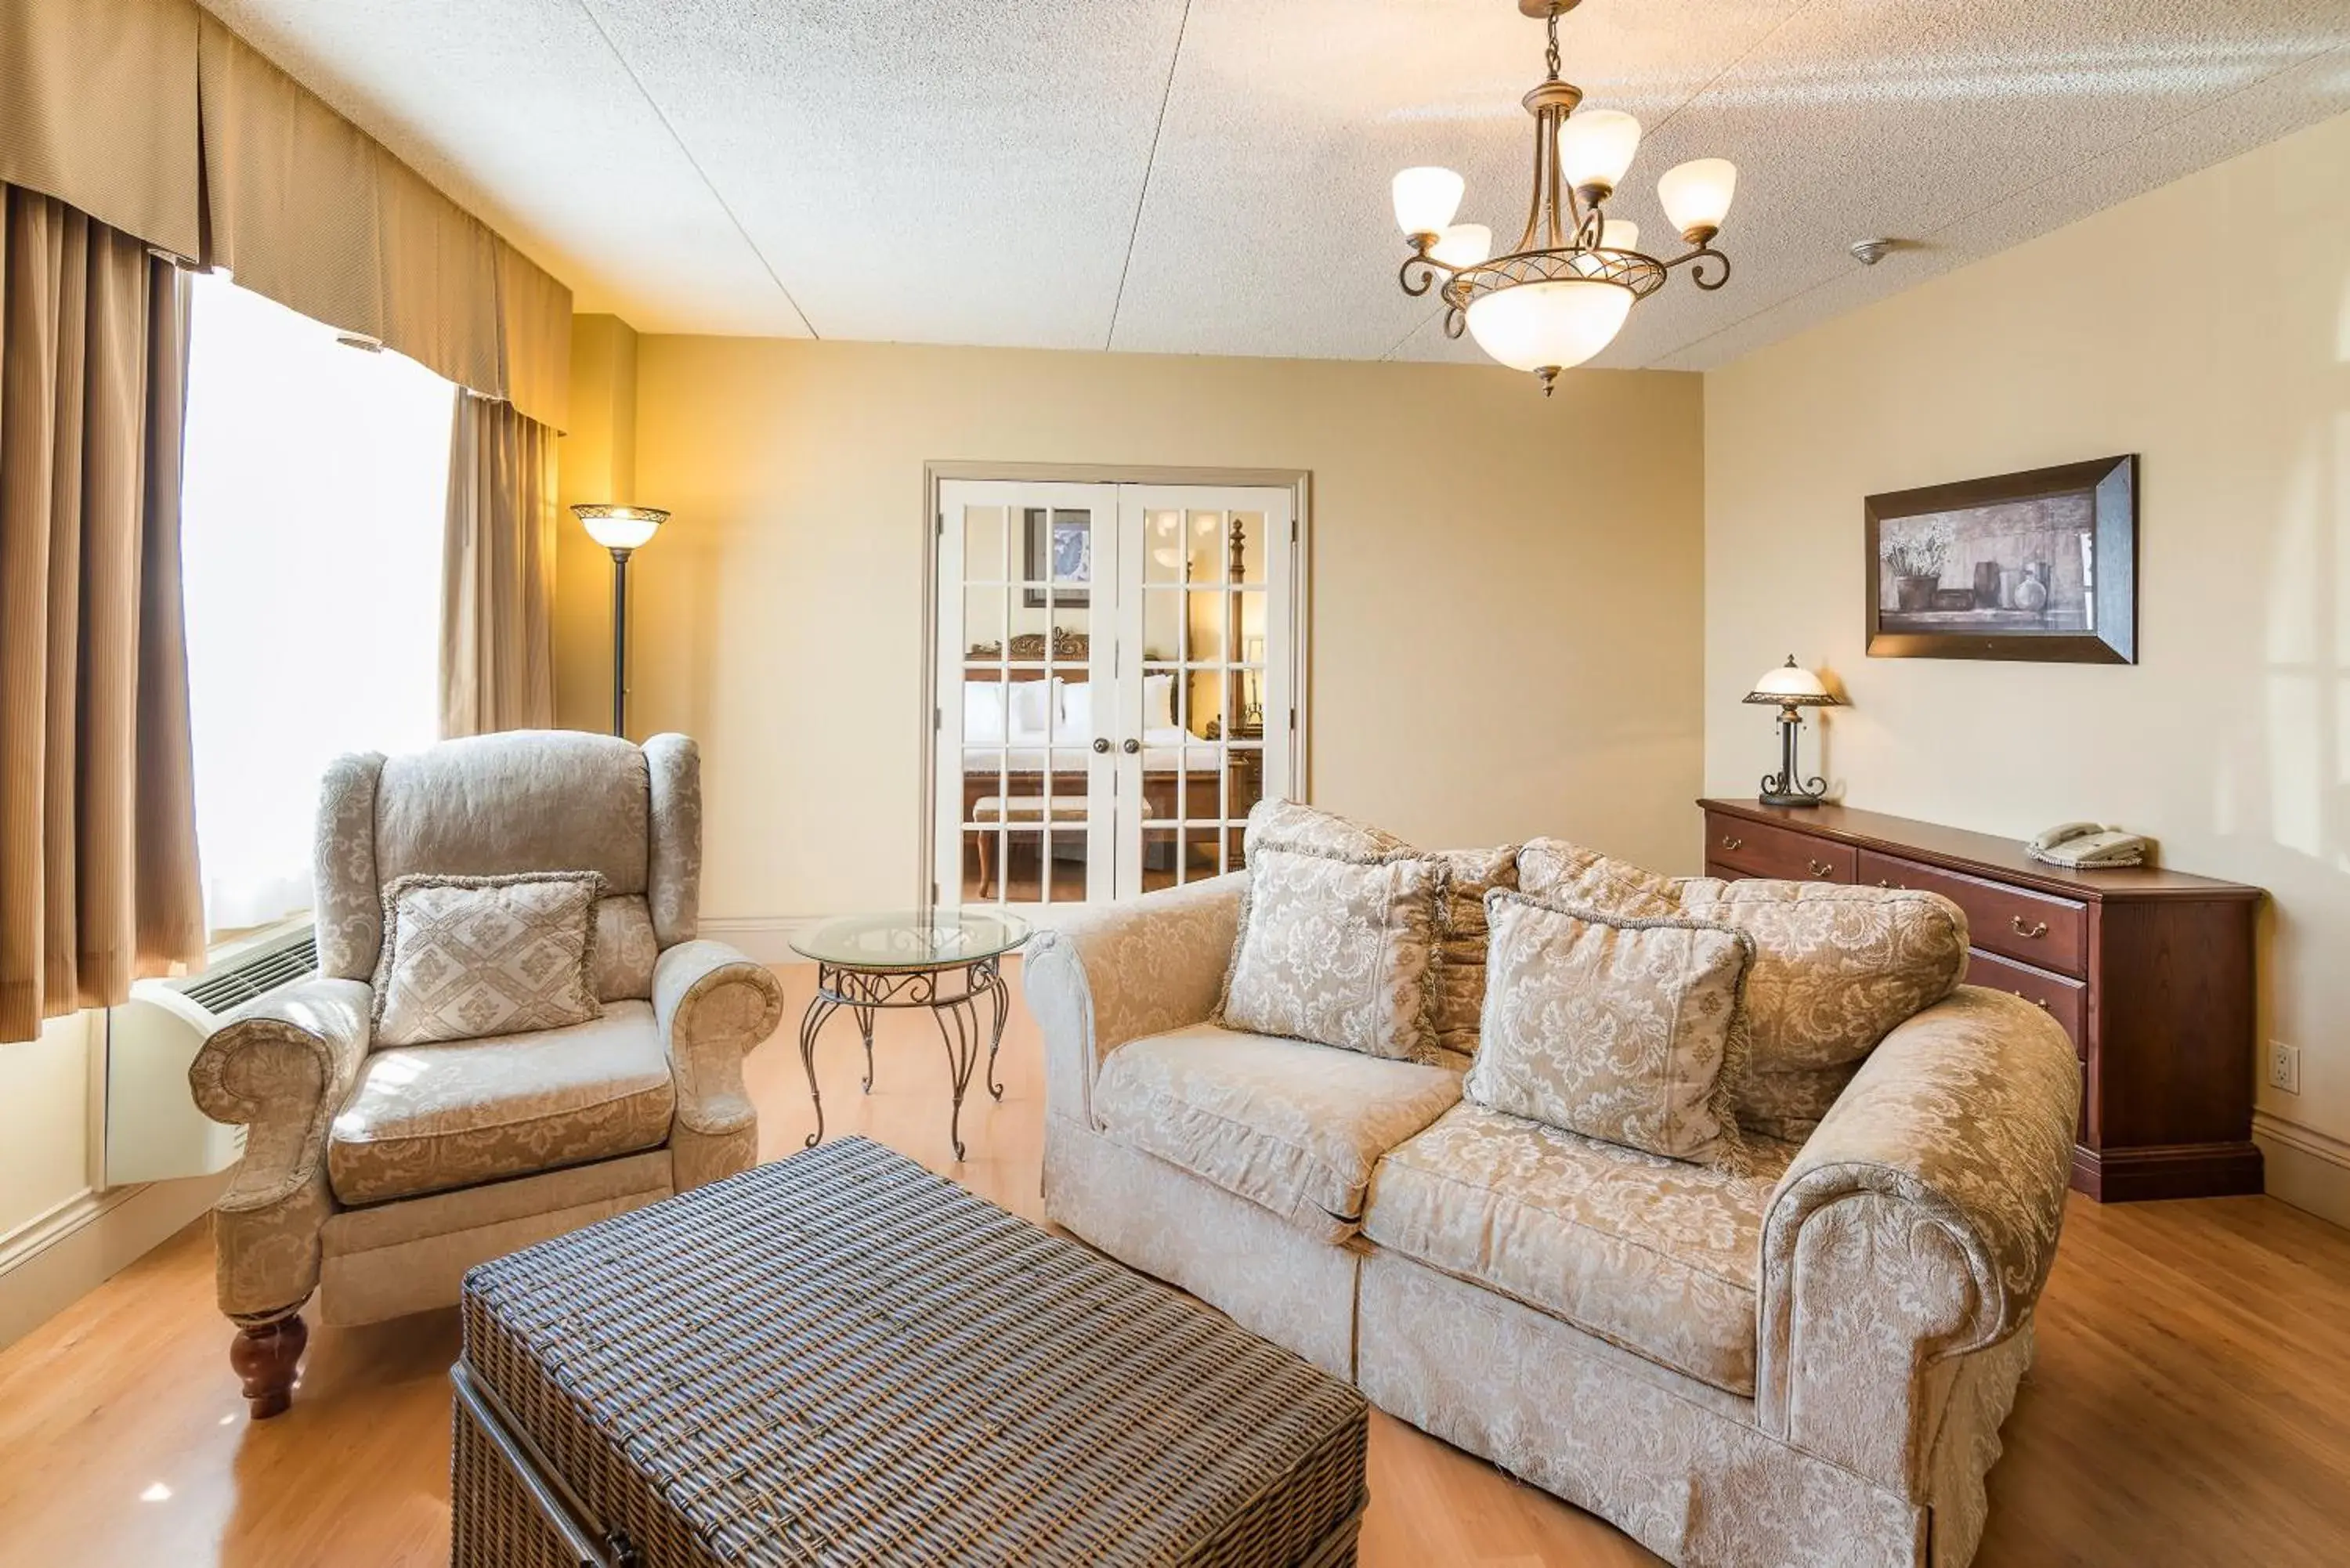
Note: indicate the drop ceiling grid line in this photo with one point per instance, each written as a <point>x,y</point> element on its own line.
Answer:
<point>695,163</point>
<point>2006,199</point>
<point>1150,161</point>
<point>1773,31</point>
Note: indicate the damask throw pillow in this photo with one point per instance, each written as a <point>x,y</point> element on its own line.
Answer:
<point>1456,977</point>
<point>467,956</point>
<point>1336,948</point>
<point>1621,1028</point>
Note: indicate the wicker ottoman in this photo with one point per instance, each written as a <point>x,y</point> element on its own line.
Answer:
<point>841,1358</point>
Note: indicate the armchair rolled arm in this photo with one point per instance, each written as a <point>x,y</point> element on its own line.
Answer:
<point>1916,1226</point>
<point>713,1005</point>
<point>282,1067</point>
<point>1139,967</point>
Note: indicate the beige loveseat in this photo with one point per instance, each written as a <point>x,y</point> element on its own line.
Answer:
<point>1804,1365</point>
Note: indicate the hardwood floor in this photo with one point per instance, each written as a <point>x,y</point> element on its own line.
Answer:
<point>2192,1403</point>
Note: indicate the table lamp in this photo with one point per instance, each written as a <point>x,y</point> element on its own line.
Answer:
<point>623,530</point>
<point>1792,688</point>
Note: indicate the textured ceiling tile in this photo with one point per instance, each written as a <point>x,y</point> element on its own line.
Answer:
<point>521,111</point>
<point>1268,228</point>
<point>964,171</point>
<point>2301,97</point>
<point>969,172</point>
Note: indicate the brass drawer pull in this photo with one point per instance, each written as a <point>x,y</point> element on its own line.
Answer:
<point>2039,1002</point>
<point>2037,928</point>
<point>1730,843</point>
<point>1819,868</point>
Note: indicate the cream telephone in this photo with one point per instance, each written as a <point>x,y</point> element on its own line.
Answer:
<point>2087,845</point>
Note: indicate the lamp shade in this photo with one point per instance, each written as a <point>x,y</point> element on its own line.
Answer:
<point>1425,199</point>
<point>1696,195</point>
<point>1463,245</point>
<point>1553,326</point>
<point>619,527</point>
<point>1792,686</point>
<point>1596,147</point>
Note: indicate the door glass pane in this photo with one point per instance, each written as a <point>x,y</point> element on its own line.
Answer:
<point>1056,550</point>
<point>986,556</point>
<point>1162,547</point>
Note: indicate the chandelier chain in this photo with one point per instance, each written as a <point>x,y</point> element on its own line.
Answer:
<point>1551,53</point>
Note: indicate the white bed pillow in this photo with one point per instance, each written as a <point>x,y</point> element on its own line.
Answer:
<point>982,711</point>
<point>1158,702</point>
<point>1032,710</point>
<point>1077,708</point>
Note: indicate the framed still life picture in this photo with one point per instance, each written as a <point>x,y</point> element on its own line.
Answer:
<point>1057,548</point>
<point>2035,566</point>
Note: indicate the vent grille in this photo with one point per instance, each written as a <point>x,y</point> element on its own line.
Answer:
<point>258,974</point>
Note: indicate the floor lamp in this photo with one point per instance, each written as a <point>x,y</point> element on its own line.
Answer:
<point>623,530</point>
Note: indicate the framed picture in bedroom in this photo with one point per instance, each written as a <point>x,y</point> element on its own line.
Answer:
<point>2037,566</point>
<point>1057,548</point>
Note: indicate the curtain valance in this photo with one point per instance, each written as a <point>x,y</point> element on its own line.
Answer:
<point>153,116</point>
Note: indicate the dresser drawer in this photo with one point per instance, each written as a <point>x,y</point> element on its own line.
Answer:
<point>2065,1001</point>
<point>2041,930</point>
<point>1758,850</point>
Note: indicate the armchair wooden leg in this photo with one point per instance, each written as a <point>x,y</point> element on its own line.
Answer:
<point>267,1356</point>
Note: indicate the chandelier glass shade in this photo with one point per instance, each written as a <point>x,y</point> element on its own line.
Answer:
<point>1564,291</point>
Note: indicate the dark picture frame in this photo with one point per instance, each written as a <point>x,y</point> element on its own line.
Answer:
<point>1056,548</point>
<point>2039,565</point>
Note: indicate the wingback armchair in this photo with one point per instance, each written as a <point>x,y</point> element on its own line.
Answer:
<point>374,1178</point>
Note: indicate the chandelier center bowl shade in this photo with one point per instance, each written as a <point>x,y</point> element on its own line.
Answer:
<point>1564,290</point>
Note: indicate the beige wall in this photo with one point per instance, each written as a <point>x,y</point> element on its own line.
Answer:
<point>2205,326</point>
<point>1505,588</point>
<point>596,462</point>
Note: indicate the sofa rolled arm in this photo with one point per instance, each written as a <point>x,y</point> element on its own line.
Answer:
<point>281,1067</point>
<point>714,1006</point>
<point>1916,1226</point>
<point>1139,967</point>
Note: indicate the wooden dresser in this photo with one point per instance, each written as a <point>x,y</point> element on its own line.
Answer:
<point>2150,972</point>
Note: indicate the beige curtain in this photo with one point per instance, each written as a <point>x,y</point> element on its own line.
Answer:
<point>98,845</point>
<point>497,605</point>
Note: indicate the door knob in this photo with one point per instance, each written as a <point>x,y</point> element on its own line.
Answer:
<point>1131,746</point>
<point>1101,743</point>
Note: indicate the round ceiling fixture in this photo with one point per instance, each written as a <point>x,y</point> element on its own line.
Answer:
<point>1564,290</point>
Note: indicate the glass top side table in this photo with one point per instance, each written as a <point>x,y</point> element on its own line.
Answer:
<point>949,961</point>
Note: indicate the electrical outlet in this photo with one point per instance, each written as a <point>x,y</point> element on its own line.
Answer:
<point>2285,1067</point>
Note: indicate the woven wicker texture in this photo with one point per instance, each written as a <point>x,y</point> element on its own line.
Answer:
<point>841,1358</point>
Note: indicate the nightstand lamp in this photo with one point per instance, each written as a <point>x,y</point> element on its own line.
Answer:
<point>1792,688</point>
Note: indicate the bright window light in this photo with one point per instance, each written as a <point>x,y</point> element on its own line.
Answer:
<point>315,493</point>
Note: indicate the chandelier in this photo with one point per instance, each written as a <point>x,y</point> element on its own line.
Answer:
<point>1565,291</point>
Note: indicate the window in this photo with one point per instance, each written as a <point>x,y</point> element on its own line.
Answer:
<point>314,491</point>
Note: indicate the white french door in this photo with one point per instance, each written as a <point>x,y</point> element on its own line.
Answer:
<point>1116,668</point>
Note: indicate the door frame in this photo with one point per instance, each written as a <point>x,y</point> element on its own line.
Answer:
<point>929,717</point>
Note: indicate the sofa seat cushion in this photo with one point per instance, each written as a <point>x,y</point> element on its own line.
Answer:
<point>1294,1127</point>
<point>430,1119</point>
<point>1658,1256</point>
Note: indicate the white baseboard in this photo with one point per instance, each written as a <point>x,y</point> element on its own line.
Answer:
<point>61,1257</point>
<point>2306,1167</point>
<point>766,939</point>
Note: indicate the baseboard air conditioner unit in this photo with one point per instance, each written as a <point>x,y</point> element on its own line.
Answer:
<point>153,1130</point>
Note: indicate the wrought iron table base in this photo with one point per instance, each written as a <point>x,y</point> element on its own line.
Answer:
<point>864,991</point>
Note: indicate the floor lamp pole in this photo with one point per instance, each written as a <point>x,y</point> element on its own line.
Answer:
<point>620,642</point>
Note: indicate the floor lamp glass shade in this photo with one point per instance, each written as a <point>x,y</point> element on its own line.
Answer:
<point>619,527</point>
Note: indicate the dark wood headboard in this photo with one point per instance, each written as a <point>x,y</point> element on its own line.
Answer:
<point>1071,649</point>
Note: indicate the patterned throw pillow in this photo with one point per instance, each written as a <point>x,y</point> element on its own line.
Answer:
<point>467,956</point>
<point>1835,968</point>
<point>1336,948</point>
<point>1456,978</point>
<point>1624,1029</point>
<point>1568,873</point>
